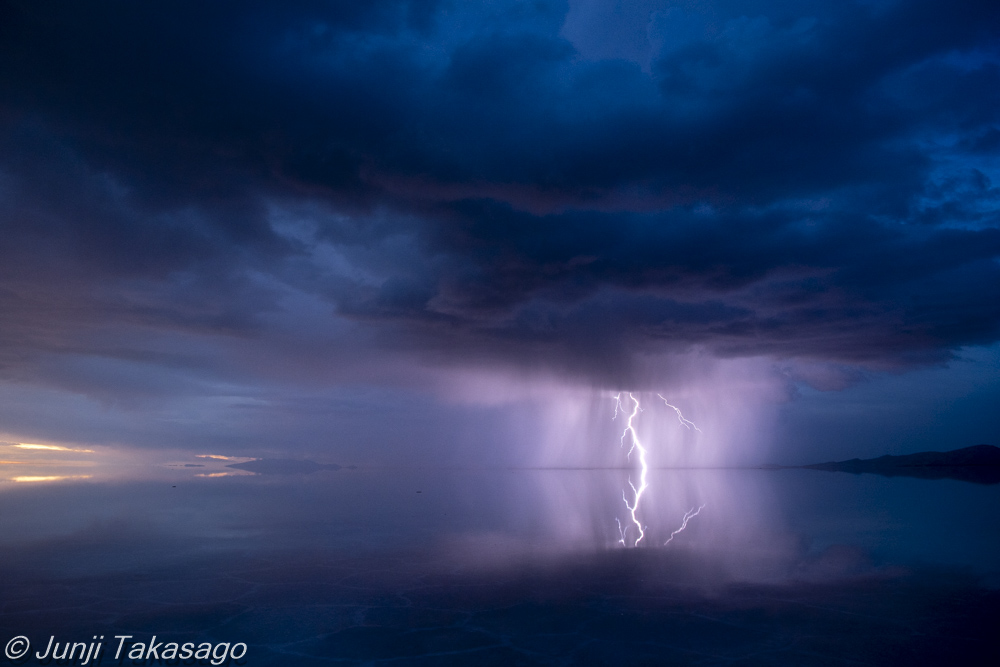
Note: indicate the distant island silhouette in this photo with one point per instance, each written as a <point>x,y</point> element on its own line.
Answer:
<point>979,464</point>
<point>284,466</point>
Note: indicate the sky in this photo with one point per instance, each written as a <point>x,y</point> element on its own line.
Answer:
<point>434,231</point>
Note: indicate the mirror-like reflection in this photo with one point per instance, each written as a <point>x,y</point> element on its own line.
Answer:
<point>319,562</point>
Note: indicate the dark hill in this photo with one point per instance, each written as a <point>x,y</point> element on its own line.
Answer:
<point>980,464</point>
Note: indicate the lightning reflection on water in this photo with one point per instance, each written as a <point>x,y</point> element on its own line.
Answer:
<point>637,492</point>
<point>643,468</point>
<point>690,514</point>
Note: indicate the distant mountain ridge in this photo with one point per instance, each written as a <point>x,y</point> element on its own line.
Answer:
<point>283,466</point>
<point>979,463</point>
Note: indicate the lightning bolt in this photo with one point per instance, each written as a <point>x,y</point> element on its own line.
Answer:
<point>637,492</point>
<point>644,468</point>
<point>690,514</point>
<point>686,423</point>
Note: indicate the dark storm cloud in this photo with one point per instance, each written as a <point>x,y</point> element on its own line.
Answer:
<point>540,179</point>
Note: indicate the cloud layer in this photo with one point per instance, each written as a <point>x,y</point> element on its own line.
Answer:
<point>326,189</point>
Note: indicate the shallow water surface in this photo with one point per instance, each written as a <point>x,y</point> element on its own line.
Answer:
<point>507,567</point>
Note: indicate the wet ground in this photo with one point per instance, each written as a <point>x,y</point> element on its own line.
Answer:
<point>804,568</point>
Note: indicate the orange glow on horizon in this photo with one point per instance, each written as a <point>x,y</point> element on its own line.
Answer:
<point>47,478</point>
<point>56,448</point>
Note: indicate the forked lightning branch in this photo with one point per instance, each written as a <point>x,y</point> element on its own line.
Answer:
<point>636,445</point>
